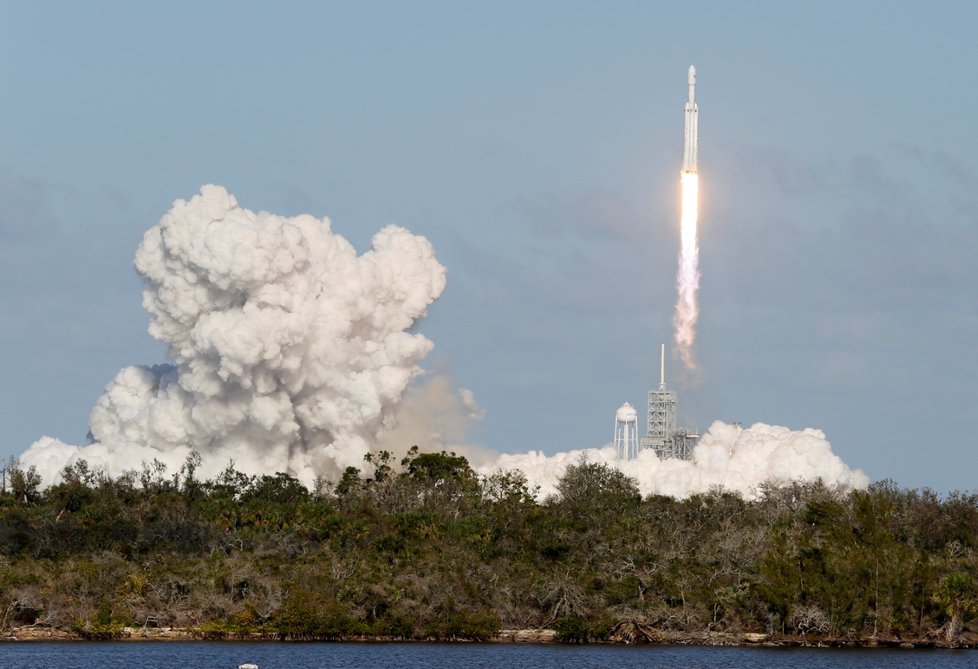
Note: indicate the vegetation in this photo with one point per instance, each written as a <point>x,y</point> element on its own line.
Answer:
<point>427,549</point>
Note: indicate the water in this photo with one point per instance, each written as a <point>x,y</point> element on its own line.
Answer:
<point>270,655</point>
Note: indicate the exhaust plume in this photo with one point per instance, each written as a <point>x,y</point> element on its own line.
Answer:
<point>291,351</point>
<point>688,274</point>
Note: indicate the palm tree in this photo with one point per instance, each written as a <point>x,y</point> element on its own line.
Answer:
<point>958,595</point>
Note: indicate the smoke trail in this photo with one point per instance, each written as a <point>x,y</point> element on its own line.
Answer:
<point>291,351</point>
<point>688,275</point>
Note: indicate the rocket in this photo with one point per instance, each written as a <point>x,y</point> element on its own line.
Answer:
<point>690,134</point>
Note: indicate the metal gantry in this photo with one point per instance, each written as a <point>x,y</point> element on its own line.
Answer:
<point>662,421</point>
<point>663,434</point>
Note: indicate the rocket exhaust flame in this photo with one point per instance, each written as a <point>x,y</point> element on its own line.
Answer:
<point>688,275</point>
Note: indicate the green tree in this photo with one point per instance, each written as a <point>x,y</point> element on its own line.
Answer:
<point>958,596</point>
<point>590,491</point>
<point>25,484</point>
<point>443,482</point>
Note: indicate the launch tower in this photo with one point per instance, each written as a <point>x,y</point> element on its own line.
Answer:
<point>662,412</point>
<point>663,435</point>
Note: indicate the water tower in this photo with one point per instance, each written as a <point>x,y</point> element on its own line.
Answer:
<point>626,432</point>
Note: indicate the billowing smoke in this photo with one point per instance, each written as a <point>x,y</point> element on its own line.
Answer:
<point>727,456</point>
<point>688,274</point>
<point>291,352</point>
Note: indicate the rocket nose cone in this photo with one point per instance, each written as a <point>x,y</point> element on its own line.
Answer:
<point>692,73</point>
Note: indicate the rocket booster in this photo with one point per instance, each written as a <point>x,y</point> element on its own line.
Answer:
<point>690,134</point>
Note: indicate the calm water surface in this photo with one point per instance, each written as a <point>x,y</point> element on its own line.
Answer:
<point>228,655</point>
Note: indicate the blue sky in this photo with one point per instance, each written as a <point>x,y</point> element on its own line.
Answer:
<point>537,145</point>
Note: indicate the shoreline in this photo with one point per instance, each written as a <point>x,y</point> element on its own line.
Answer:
<point>646,636</point>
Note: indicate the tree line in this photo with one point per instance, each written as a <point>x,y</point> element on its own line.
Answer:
<point>425,548</point>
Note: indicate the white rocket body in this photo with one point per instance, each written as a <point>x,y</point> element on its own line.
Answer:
<point>690,135</point>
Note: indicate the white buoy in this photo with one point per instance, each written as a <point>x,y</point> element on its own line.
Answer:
<point>248,665</point>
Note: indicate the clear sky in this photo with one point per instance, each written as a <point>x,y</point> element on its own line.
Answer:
<point>537,145</point>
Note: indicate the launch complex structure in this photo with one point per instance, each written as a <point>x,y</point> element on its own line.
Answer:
<point>663,435</point>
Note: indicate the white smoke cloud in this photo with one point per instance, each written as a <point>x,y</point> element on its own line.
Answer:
<point>291,351</point>
<point>727,456</point>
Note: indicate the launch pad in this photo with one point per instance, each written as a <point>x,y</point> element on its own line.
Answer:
<point>662,434</point>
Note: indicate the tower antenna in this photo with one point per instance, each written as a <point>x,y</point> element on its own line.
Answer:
<point>662,367</point>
